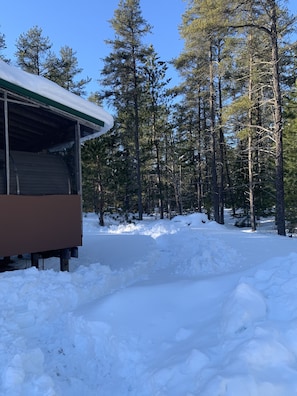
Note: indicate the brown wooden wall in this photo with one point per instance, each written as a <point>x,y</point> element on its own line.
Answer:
<point>31,224</point>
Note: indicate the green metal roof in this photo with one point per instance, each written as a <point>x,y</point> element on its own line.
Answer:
<point>48,102</point>
<point>42,114</point>
<point>48,93</point>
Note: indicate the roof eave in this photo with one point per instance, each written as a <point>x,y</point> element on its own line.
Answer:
<point>85,118</point>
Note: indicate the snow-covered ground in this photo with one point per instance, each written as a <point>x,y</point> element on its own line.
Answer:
<point>159,308</point>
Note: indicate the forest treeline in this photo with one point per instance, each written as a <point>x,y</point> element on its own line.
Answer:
<point>226,136</point>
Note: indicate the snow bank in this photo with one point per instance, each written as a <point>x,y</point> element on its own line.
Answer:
<point>188,308</point>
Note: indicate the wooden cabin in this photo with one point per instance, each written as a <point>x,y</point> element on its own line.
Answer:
<point>42,127</point>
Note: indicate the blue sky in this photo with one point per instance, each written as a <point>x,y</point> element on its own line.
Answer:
<point>83,26</point>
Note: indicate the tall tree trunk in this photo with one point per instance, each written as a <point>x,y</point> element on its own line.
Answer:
<point>221,153</point>
<point>136,142</point>
<point>158,165</point>
<point>199,159</point>
<point>251,181</point>
<point>250,141</point>
<point>278,129</point>
<point>199,177</point>
<point>99,191</point>
<point>160,182</point>
<point>214,182</point>
<point>101,203</point>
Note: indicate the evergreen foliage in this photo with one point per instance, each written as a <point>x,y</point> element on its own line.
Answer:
<point>32,51</point>
<point>124,77</point>
<point>290,150</point>
<point>64,69</point>
<point>233,47</point>
<point>220,138</point>
<point>2,48</point>
<point>34,54</point>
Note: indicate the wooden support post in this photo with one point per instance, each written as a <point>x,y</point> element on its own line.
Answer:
<point>35,260</point>
<point>74,252</point>
<point>7,163</point>
<point>65,255</point>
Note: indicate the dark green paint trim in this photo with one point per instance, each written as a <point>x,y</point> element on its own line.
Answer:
<point>49,102</point>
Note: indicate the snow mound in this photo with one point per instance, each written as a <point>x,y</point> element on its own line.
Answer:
<point>244,307</point>
<point>203,259</point>
<point>173,307</point>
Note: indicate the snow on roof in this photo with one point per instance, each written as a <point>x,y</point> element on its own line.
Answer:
<point>52,94</point>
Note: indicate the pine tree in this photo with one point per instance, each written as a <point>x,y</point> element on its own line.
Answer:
<point>203,37</point>
<point>32,51</point>
<point>190,121</point>
<point>123,79</point>
<point>155,120</point>
<point>274,22</point>
<point>35,56</point>
<point>3,47</point>
<point>99,180</point>
<point>290,149</point>
<point>255,82</point>
<point>64,69</point>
